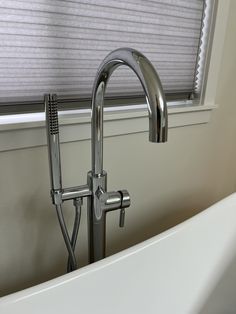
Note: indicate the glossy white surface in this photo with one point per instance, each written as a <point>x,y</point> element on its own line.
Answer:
<point>188,269</point>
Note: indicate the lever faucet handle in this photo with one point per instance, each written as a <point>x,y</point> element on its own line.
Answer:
<point>125,202</point>
<point>122,218</point>
<point>114,200</point>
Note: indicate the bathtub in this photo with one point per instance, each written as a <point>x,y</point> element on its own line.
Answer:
<point>190,268</point>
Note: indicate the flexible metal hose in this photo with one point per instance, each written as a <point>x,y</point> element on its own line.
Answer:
<point>77,203</point>
<point>66,238</point>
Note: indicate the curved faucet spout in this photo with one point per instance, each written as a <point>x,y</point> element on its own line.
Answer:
<point>155,97</point>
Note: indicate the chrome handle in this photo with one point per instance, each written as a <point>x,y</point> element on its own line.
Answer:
<point>122,218</point>
<point>110,201</point>
<point>125,202</point>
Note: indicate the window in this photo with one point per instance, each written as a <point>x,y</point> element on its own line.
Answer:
<point>56,46</point>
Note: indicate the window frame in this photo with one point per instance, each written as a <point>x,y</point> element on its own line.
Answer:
<point>75,124</point>
<point>30,105</point>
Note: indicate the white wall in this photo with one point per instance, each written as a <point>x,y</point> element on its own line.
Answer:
<point>167,182</point>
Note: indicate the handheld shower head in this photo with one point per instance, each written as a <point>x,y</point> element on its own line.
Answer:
<point>52,114</point>
<point>55,173</point>
<point>53,141</point>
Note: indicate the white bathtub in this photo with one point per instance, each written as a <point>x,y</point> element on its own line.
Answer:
<point>190,268</point>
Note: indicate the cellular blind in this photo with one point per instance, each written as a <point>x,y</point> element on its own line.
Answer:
<point>57,45</point>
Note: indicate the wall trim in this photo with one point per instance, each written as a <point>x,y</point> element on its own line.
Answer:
<point>76,126</point>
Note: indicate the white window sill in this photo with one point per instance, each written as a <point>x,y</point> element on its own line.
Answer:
<point>28,130</point>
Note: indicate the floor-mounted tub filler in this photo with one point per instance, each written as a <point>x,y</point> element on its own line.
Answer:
<point>101,201</point>
<point>188,269</point>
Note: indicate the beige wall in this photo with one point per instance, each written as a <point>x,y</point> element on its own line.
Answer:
<point>167,182</point>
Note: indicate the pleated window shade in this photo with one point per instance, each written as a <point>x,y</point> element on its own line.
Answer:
<point>56,46</point>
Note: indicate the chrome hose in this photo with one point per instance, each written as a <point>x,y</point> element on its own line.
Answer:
<point>77,204</point>
<point>73,264</point>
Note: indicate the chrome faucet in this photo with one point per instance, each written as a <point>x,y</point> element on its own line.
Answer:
<point>99,200</point>
<point>103,201</point>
